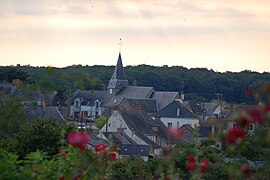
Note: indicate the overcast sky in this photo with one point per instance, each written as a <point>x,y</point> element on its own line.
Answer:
<point>223,35</point>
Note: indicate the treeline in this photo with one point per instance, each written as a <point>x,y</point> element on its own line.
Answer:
<point>196,83</point>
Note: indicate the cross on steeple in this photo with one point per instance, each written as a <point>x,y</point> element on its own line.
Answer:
<point>120,44</point>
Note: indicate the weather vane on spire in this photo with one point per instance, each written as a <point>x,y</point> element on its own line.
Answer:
<point>120,44</point>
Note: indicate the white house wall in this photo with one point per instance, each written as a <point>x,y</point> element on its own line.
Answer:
<point>180,122</point>
<point>116,121</point>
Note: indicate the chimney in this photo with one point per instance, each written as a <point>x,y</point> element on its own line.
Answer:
<point>44,104</point>
<point>232,109</point>
<point>157,118</point>
<point>182,96</point>
<point>135,108</point>
<point>16,81</point>
<point>155,128</point>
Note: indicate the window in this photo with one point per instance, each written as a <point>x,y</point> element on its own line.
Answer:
<point>178,112</point>
<point>169,125</point>
<point>85,114</point>
<point>77,104</point>
<point>236,125</point>
<point>250,127</point>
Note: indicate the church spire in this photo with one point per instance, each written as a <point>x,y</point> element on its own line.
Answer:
<point>119,70</point>
<point>118,79</point>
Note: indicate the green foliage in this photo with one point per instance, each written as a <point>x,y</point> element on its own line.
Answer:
<point>7,74</point>
<point>43,135</point>
<point>8,165</point>
<point>216,171</point>
<point>100,122</point>
<point>65,81</point>
<point>199,83</point>
<point>12,115</point>
<point>129,168</point>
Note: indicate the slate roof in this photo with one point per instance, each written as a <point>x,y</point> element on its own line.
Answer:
<point>46,112</point>
<point>171,111</point>
<point>119,70</point>
<point>89,96</point>
<point>207,108</point>
<point>7,88</point>
<point>53,100</point>
<point>196,107</point>
<point>134,150</point>
<point>119,138</point>
<point>134,92</point>
<point>95,140</point>
<point>164,98</point>
<point>147,105</point>
<point>211,107</point>
<point>141,123</point>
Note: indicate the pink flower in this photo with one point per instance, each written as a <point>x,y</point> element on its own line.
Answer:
<point>191,163</point>
<point>100,148</point>
<point>174,132</point>
<point>204,163</point>
<point>245,169</point>
<point>77,139</point>
<point>235,136</point>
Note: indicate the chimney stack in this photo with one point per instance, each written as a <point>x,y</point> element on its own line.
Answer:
<point>135,108</point>
<point>157,118</point>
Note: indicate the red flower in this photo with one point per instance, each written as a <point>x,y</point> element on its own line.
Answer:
<point>204,163</point>
<point>78,176</point>
<point>77,139</point>
<point>256,115</point>
<point>174,132</point>
<point>267,111</point>
<point>235,136</point>
<point>245,169</point>
<point>115,147</point>
<point>113,155</point>
<point>100,148</point>
<point>191,163</point>
<point>61,178</point>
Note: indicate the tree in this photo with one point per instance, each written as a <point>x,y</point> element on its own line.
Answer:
<point>100,122</point>
<point>12,115</point>
<point>43,134</point>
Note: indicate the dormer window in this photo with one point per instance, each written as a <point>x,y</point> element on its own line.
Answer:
<point>97,103</point>
<point>77,103</point>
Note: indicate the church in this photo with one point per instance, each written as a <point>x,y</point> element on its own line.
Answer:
<point>122,96</point>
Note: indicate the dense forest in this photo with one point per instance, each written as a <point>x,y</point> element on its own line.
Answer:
<point>195,83</point>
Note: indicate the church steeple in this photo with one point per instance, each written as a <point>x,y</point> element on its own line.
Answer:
<point>118,79</point>
<point>119,70</point>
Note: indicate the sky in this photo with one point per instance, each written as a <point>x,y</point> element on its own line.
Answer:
<point>223,35</point>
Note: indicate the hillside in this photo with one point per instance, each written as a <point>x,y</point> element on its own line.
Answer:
<point>198,83</point>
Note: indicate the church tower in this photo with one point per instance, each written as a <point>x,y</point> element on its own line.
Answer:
<point>118,79</point>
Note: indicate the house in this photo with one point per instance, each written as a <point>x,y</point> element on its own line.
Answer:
<point>147,105</point>
<point>176,115</point>
<point>206,110</point>
<point>135,150</point>
<point>139,127</point>
<point>87,104</point>
<point>188,133</point>
<point>127,147</point>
